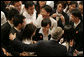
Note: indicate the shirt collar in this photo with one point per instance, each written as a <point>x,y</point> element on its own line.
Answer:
<point>10,24</point>
<point>77,23</point>
<point>17,29</point>
<point>41,31</point>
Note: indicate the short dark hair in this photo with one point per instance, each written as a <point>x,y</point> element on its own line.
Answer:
<point>73,2</point>
<point>29,4</point>
<point>45,22</point>
<point>13,2</point>
<point>11,13</point>
<point>76,13</point>
<point>81,3</point>
<point>28,31</point>
<point>47,8</point>
<point>61,2</point>
<point>18,19</point>
<point>68,32</point>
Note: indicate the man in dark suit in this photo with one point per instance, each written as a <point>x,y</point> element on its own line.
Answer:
<point>19,24</point>
<point>78,27</point>
<point>5,28</point>
<point>43,48</point>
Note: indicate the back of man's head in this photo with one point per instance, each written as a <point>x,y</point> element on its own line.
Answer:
<point>76,13</point>
<point>11,13</point>
<point>29,4</point>
<point>57,33</point>
<point>18,19</point>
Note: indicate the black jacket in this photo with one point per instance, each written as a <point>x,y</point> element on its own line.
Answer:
<point>5,30</point>
<point>42,48</point>
<point>78,36</point>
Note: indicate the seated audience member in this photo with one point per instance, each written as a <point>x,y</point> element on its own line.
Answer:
<point>61,17</point>
<point>78,27</point>
<point>18,5</point>
<point>43,48</point>
<point>3,18</point>
<point>80,6</point>
<point>30,12</point>
<point>39,6</point>
<point>46,13</point>
<point>43,33</point>
<point>5,28</point>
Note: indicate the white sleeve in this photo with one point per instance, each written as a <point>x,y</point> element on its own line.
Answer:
<point>3,18</point>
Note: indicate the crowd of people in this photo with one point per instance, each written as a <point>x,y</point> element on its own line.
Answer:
<point>41,28</point>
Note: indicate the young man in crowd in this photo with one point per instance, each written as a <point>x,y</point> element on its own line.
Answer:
<point>46,12</point>
<point>5,28</point>
<point>30,12</point>
<point>78,27</point>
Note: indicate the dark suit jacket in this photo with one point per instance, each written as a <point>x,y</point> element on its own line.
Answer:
<point>42,48</point>
<point>18,35</point>
<point>5,29</point>
<point>78,35</point>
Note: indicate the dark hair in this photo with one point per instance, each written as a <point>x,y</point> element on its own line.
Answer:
<point>76,13</point>
<point>47,8</point>
<point>45,22</point>
<point>29,4</point>
<point>68,32</point>
<point>62,2</point>
<point>28,31</point>
<point>18,19</point>
<point>81,3</point>
<point>11,13</point>
<point>13,2</point>
<point>73,2</point>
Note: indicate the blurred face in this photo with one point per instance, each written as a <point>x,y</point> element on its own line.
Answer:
<point>59,8</point>
<point>73,18</point>
<point>42,3</point>
<point>44,13</point>
<point>68,2</point>
<point>46,28</point>
<point>31,10</point>
<point>73,6</point>
<point>80,8</point>
<point>18,5</point>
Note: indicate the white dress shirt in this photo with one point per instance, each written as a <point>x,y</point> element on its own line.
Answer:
<point>44,36</point>
<point>30,18</point>
<point>40,18</point>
